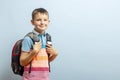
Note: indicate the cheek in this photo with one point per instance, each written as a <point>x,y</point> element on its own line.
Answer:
<point>46,25</point>
<point>37,23</point>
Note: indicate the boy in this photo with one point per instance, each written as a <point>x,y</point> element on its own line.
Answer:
<point>38,55</point>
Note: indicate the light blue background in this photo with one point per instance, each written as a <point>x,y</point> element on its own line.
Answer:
<point>85,32</point>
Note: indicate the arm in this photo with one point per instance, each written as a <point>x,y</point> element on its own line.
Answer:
<point>27,57</point>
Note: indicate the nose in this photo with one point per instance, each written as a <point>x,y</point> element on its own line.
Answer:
<point>42,22</point>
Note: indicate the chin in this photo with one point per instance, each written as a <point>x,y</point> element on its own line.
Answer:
<point>42,30</point>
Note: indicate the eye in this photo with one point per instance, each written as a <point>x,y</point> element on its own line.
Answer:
<point>45,19</point>
<point>38,19</point>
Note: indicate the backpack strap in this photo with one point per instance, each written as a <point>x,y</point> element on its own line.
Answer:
<point>33,36</point>
<point>48,41</point>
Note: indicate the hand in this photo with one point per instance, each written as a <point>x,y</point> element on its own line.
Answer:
<point>48,48</point>
<point>52,52</point>
<point>36,47</point>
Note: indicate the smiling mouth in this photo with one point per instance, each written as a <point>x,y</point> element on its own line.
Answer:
<point>41,26</point>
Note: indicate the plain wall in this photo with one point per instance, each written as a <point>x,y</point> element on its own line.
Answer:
<point>86,34</point>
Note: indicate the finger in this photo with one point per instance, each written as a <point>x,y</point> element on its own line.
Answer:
<point>48,45</point>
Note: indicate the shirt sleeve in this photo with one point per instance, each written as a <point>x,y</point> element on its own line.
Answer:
<point>27,44</point>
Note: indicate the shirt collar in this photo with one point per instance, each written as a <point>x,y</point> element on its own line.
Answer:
<point>34,31</point>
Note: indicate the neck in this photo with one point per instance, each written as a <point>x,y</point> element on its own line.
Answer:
<point>41,32</point>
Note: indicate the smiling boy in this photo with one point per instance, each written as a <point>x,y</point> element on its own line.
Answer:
<point>36,54</point>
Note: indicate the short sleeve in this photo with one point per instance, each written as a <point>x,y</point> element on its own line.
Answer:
<point>27,44</point>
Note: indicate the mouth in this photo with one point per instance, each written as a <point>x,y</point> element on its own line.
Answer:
<point>41,26</point>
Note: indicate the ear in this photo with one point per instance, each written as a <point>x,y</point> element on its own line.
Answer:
<point>49,21</point>
<point>32,22</point>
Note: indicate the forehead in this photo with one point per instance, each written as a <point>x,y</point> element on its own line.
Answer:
<point>40,15</point>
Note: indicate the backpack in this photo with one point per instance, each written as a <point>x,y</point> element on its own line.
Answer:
<point>16,52</point>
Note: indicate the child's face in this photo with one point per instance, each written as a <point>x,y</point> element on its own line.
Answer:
<point>40,22</point>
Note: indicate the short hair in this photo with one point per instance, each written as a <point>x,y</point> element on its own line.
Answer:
<point>39,10</point>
